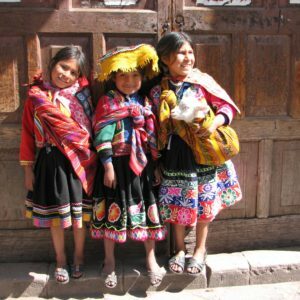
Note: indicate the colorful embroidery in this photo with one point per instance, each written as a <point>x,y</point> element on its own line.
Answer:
<point>153,214</point>
<point>99,210</point>
<point>135,209</point>
<point>165,212</point>
<point>184,216</point>
<point>114,213</point>
<point>137,234</point>
<point>183,202</point>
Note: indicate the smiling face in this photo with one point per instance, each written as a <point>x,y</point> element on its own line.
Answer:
<point>128,83</point>
<point>65,73</point>
<point>181,62</point>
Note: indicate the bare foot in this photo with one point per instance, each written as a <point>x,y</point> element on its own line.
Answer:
<point>177,262</point>
<point>197,262</point>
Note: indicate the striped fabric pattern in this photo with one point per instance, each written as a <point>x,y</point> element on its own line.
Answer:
<point>64,216</point>
<point>143,136</point>
<point>68,136</point>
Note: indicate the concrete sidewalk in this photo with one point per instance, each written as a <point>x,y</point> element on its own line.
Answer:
<point>234,269</point>
<point>274,291</point>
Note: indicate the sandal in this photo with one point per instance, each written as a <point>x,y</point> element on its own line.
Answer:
<point>194,263</point>
<point>110,280</point>
<point>179,261</point>
<point>156,277</point>
<point>77,271</point>
<point>61,275</point>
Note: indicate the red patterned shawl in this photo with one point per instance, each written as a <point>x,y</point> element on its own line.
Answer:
<point>71,139</point>
<point>143,134</point>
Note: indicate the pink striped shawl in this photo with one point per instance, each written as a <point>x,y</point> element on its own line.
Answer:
<point>144,132</point>
<point>71,139</point>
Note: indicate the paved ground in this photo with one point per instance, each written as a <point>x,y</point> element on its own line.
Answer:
<point>278,291</point>
<point>241,275</point>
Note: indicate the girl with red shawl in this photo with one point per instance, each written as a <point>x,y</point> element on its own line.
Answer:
<point>57,122</point>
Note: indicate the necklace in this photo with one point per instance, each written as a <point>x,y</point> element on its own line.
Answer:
<point>178,86</point>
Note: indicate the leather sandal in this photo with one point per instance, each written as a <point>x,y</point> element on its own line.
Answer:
<point>156,277</point>
<point>77,271</point>
<point>195,263</point>
<point>110,279</point>
<point>61,275</point>
<point>178,260</point>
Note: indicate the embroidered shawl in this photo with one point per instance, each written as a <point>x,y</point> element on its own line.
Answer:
<point>143,134</point>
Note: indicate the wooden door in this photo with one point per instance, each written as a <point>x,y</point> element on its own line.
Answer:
<point>30,33</point>
<point>285,193</point>
<point>250,46</point>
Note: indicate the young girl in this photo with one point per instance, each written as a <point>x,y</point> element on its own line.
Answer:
<point>125,139</point>
<point>57,122</point>
<point>191,194</point>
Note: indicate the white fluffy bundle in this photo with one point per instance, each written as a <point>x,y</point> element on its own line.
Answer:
<point>190,108</point>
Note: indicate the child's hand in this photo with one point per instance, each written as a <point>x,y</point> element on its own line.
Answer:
<point>175,113</point>
<point>29,178</point>
<point>206,132</point>
<point>157,176</point>
<point>218,121</point>
<point>110,179</point>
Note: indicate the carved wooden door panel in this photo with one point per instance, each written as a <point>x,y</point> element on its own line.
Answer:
<point>285,192</point>
<point>250,46</point>
<point>30,33</point>
<point>252,49</point>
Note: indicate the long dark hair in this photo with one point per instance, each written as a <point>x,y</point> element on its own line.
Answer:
<point>70,52</point>
<point>171,42</point>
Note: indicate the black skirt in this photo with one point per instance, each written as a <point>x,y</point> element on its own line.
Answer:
<point>57,198</point>
<point>129,210</point>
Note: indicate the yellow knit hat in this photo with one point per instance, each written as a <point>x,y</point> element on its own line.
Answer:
<point>129,59</point>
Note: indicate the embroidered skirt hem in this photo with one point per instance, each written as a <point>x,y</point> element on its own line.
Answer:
<point>130,210</point>
<point>137,234</point>
<point>192,193</point>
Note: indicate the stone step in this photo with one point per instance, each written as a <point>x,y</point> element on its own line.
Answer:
<point>225,269</point>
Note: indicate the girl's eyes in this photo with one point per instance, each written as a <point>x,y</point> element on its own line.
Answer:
<point>136,74</point>
<point>186,52</point>
<point>120,75</point>
<point>66,68</point>
<point>123,75</point>
<point>73,73</point>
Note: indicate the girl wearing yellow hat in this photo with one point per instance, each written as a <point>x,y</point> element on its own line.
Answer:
<point>125,139</point>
